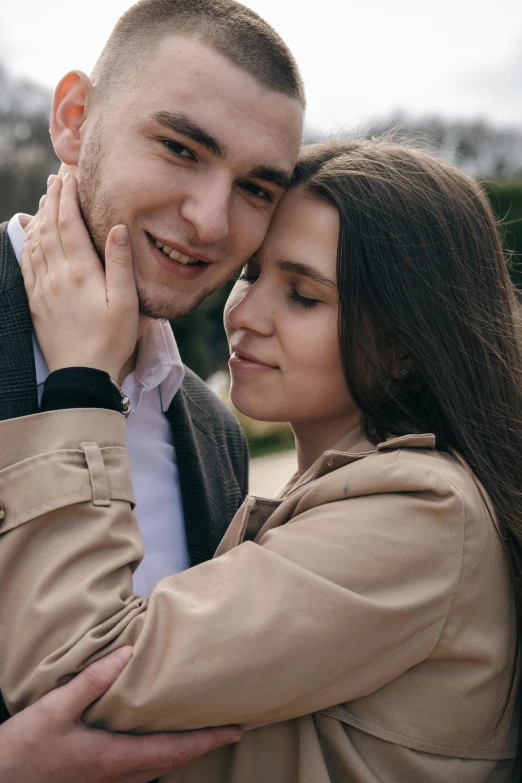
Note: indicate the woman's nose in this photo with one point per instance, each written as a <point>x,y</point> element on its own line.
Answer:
<point>249,309</point>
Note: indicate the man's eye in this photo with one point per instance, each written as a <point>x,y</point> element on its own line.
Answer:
<point>178,149</point>
<point>248,272</point>
<point>257,192</point>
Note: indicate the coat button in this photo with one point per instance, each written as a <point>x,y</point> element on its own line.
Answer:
<point>2,513</point>
<point>330,463</point>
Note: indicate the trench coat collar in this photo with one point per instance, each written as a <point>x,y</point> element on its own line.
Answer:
<point>353,446</point>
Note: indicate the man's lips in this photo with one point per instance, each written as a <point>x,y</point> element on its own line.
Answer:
<point>180,253</point>
<point>179,269</point>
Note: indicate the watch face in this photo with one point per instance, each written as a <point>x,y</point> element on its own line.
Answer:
<point>125,399</point>
<point>125,404</point>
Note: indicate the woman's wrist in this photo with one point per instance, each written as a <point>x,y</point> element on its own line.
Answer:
<point>84,362</point>
<point>80,387</point>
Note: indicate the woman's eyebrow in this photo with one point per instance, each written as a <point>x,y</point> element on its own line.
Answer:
<point>305,270</point>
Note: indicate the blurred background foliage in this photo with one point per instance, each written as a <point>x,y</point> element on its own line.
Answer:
<point>506,199</point>
<point>492,155</point>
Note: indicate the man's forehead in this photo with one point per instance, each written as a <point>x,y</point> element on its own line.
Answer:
<point>188,76</point>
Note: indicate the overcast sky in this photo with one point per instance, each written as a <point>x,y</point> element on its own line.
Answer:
<point>360,60</point>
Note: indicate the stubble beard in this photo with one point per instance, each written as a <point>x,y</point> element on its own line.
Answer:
<point>100,216</point>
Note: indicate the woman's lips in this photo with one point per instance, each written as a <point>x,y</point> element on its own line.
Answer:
<point>247,362</point>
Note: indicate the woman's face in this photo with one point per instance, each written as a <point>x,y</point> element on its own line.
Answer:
<point>281,320</point>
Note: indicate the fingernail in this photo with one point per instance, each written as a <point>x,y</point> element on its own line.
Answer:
<point>29,235</point>
<point>237,737</point>
<point>123,656</point>
<point>121,236</point>
<point>66,178</point>
<point>42,202</point>
<point>50,180</point>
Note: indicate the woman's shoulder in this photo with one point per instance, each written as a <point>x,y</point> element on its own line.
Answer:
<point>414,463</point>
<point>413,511</point>
<point>408,475</point>
<point>425,468</point>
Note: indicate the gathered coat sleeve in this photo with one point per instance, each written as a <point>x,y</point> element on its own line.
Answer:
<point>343,598</point>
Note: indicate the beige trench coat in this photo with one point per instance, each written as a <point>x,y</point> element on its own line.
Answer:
<point>360,628</point>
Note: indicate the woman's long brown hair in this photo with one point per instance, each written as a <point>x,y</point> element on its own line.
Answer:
<point>421,274</point>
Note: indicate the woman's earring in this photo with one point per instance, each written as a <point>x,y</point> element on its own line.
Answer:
<point>404,375</point>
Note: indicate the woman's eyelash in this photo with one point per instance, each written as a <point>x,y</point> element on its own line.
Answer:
<point>302,300</point>
<point>296,297</point>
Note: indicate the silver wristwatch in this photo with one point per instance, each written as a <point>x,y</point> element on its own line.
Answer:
<point>125,399</point>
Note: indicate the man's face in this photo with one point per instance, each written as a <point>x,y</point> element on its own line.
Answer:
<point>192,156</point>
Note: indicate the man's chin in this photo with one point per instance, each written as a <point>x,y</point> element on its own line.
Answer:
<point>162,310</point>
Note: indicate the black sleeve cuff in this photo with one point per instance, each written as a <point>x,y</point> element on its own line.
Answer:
<point>79,387</point>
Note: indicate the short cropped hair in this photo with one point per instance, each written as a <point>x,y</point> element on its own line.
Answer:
<point>229,27</point>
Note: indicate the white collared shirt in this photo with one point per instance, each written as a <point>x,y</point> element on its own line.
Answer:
<point>151,387</point>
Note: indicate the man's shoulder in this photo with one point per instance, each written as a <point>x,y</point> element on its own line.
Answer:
<point>10,274</point>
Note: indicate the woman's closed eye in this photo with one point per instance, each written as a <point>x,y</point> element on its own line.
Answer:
<point>249,275</point>
<point>303,301</point>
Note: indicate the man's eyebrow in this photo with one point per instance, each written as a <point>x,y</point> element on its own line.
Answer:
<point>182,123</point>
<point>296,268</point>
<point>275,176</point>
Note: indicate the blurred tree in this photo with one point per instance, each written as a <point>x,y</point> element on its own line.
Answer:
<point>481,149</point>
<point>26,153</point>
<point>506,201</point>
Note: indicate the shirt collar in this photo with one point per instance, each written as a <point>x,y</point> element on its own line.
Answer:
<point>158,362</point>
<point>16,232</point>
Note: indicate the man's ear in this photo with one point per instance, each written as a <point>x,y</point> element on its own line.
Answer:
<point>72,99</point>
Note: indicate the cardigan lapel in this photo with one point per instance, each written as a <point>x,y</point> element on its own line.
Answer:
<point>18,394</point>
<point>202,483</point>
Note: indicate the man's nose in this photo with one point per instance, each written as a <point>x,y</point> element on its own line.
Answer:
<point>207,209</point>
